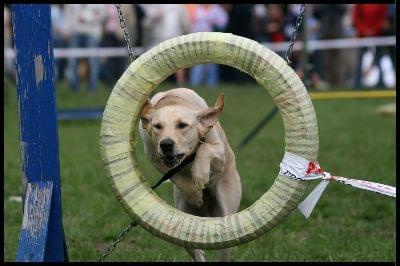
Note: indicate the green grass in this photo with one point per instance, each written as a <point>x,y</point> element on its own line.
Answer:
<point>347,224</point>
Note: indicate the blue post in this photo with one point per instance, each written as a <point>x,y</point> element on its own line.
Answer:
<point>42,234</point>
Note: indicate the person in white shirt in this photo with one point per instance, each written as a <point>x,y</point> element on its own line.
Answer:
<point>162,22</point>
<point>59,37</point>
<point>207,18</point>
<point>84,25</point>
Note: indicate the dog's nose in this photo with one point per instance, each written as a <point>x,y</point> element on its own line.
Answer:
<point>167,145</point>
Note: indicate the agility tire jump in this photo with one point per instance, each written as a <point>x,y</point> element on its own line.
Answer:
<point>117,140</point>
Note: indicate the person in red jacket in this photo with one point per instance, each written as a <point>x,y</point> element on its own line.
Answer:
<point>370,20</point>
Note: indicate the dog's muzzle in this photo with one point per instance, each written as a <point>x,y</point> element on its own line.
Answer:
<point>167,153</point>
<point>172,160</point>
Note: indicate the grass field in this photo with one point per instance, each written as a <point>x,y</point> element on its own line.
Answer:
<point>347,224</point>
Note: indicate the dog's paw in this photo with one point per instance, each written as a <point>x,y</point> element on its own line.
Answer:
<point>200,177</point>
<point>195,200</point>
<point>200,182</point>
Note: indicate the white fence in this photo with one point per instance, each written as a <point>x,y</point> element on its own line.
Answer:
<point>277,47</point>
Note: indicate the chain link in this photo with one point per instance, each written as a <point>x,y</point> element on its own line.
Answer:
<point>126,34</point>
<point>299,20</point>
<point>120,237</point>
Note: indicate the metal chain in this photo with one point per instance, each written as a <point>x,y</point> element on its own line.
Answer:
<point>126,34</point>
<point>299,20</point>
<point>120,237</point>
<point>123,234</point>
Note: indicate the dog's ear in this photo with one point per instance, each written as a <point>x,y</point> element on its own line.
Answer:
<point>210,116</point>
<point>146,113</point>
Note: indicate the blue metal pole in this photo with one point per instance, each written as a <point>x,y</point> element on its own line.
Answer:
<point>42,234</point>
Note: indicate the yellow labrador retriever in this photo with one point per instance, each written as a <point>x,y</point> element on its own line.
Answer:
<point>171,126</point>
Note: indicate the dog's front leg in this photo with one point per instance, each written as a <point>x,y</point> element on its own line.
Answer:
<point>206,155</point>
<point>192,195</point>
<point>196,254</point>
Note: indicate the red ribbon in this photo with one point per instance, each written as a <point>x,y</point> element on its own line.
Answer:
<point>314,168</point>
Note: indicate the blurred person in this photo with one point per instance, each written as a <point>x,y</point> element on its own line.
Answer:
<point>59,37</point>
<point>274,24</point>
<point>191,11</point>
<point>348,23</point>
<point>331,17</point>
<point>9,70</point>
<point>207,18</point>
<point>313,27</point>
<point>163,22</point>
<point>350,55</point>
<point>84,24</point>
<point>293,11</point>
<point>315,57</point>
<point>140,16</point>
<point>371,20</point>
<point>390,30</point>
<point>259,14</point>
<point>113,36</point>
<point>240,22</point>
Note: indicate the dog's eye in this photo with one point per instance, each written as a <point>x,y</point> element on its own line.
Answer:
<point>158,126</point>
<point>182,125</point>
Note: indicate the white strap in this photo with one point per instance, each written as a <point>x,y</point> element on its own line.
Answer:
<point>296,167</point>
<point>367,185</point>
<point>307,205</point>
<point>293,166</point>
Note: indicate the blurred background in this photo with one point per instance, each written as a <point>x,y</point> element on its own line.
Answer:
<point>354,54</point>
<point>340,48</point>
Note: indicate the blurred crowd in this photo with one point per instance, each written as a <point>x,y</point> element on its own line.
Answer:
<point>98,25</point>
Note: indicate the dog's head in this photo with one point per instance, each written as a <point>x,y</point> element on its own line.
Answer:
<point>175,129</point>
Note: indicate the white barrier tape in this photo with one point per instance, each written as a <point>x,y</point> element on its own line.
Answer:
<point>297,167</point>
<point>277,47</point>
<point>85,52</point>
<point>293,166</point>
<point>367,185</point>
<point>336,43</point>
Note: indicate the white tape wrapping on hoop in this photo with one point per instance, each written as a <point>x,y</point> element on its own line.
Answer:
<point>296,167</point>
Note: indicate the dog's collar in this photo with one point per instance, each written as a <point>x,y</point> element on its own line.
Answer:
<point>202,140</point>
<point>185,162</point>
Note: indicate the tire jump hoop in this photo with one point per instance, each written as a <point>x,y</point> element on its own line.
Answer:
<point>120,117</point>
